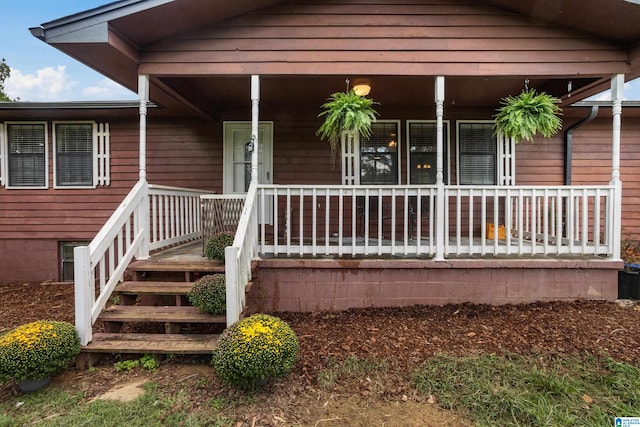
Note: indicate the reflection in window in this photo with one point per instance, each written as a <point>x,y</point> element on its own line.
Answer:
<point>423,148</point>
<point>379,155</point>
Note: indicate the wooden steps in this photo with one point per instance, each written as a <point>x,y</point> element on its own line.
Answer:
<point>152,343</point>
<point>162,314</point>
<point>154,288</point>
<point>152,314</point>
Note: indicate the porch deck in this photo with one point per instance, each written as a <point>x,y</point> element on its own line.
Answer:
<point>190,255</point>
<point>328,283</point>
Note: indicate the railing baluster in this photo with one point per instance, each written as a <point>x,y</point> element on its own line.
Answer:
<point>341,214</point>
<point>301,227</point>
<point>483,221</point>
<point>393,220</point>
<point>353,221</point>
<point>289,228</point>
<point>471,222</point>
<point>585,220</point>
<point>327,220</point>
<point>314,225</point>
<point>380,220</point>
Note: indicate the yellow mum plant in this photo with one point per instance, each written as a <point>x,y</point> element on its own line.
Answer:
<point>254,350</point>
<point>37,350</point>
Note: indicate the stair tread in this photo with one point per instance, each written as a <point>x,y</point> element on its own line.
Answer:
<point>204,265</point>
<point>169,314</point>
<point>152,343</point>
<point>154,288</point>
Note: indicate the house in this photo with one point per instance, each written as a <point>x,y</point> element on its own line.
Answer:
<point>433,208</point>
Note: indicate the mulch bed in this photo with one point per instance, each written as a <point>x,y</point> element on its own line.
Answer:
<point>403,337</point>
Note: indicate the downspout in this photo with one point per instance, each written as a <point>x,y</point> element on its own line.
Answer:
<point>568,142</point>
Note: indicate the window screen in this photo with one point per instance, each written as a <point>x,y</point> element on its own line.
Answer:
<point>477,153</point>
<point>423,150</point>
<point>74,154</point>
<point>379,155</point>
<point>26,155</point>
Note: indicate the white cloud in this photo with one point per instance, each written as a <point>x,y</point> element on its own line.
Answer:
<point>47,84</point>
<point>55,84</point>
<point>106,89</point>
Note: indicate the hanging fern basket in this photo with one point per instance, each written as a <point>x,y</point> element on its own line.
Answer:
<point>528,114</point>
<point>346,112</point>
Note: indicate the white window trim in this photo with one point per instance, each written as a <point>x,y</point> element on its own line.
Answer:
<point>447,144</point>
<point>93,154</point>
<point>102,172</point>
<point>506,160</point>
<point>5,160</point>
<point>2,151</point>
<point>505,156</point>
<point>354,156</point>
<point>100,156</point>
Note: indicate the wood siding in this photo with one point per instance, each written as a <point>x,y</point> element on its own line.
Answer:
<point>592,164</point>
<point>33,221</point>
<point>189,153</point>
<point>384,37</point>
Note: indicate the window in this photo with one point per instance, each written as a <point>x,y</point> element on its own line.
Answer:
<point>379,154</point>
<point>80,160</point>
<point>66,258</point>
<point>477,153</point>
<point>26,155</point>
<point>74,154</point>
<point>423,151</point>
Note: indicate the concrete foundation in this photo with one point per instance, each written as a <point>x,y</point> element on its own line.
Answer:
<point>303,285</point>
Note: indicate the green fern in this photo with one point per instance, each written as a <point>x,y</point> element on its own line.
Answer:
<point>528,114</point>
<point>346,112</point>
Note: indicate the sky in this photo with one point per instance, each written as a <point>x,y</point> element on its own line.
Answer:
<point>40,73</point>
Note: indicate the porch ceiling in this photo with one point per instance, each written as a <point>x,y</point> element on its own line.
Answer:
<point>398,91</point>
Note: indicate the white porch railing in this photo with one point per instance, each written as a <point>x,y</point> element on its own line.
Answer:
<point>150,217</point>
<point>401,220</point>
<point>240,255</point>
<point>348,220</point>
<point>532,220</point>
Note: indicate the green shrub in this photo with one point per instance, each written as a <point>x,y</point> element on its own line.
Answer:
<point>209,294</point>
<point>37,350</point>
<point>257,348</point>
<point>216,244</point>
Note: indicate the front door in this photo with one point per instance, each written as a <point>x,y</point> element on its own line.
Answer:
<point>237,160</point>
<point>237,157</point>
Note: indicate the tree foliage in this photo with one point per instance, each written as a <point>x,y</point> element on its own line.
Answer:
<point>5,72</point>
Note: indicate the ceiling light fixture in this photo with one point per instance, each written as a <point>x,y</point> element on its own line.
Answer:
<point>362,89</point>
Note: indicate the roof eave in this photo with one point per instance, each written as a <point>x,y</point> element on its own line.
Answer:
<point>72,24</point>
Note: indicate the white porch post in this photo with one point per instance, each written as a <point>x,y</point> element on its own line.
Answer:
<point>440,197</point>
<point>255,110</point>
<point>145,217</point>
<point>617,92</point>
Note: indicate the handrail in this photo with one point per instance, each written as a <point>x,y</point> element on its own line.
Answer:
<point>400,220</point>
<point>239,256</point>
<point>150,217</point>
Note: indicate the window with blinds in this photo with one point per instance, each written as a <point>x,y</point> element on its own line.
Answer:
<point>477,153</point>
<point>379,154</point>
<point>26,155</point>
<point>74,151</point>
<point>423,151</point>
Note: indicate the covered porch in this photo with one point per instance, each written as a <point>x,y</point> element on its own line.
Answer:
<point>267,67</point>
<point>325,247</point>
